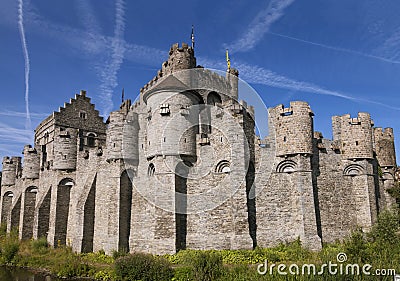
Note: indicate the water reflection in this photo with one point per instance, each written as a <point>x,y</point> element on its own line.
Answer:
<point>20,274</point>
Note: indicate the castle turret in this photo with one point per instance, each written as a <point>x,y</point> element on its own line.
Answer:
<point>65,148</point>
<point>11,170</point>
<point>180,58</point>
<point>173,122</point>
<point>384,147</point>
<point>293,128</point>
<point>233,77</point>
<point>354,135</point>
<point>31,163</point>
<point>122,134</point>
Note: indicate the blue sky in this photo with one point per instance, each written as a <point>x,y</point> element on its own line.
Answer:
<point>340,56</point>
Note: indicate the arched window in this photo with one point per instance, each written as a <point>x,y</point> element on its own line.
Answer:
<point>223,167</point>
<point>213,99</point>
<point>151,170</point>
<point>91,139</point>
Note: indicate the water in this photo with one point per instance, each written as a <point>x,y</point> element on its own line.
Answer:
<point>21,274</point>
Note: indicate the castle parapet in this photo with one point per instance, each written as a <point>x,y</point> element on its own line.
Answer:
<point>11,170</point>
<point>31,163</point>
<point>293,127</point>
<point>354,135</point>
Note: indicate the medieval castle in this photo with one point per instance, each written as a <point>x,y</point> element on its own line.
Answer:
<point>182,167</point>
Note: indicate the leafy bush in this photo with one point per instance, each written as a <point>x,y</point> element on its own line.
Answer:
<point>40,245</point>
<point>207,266</point>
<point>9,250</point>
<point>73,266</point>
<point>118,254</point>
<point>144,267</point>
<point>356,247</point>
<point>385,231</point>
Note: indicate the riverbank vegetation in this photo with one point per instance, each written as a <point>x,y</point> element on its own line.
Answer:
<point>380,248</point>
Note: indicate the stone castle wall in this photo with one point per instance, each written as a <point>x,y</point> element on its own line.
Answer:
<point>182,168</point>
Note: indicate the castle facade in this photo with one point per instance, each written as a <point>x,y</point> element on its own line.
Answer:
<point>182,167</point>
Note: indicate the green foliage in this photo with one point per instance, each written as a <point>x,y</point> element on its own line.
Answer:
<point>118,254</point>
<point>356,247</point>
<point>9,250</point>
<point>394,191</point>
<point>98,257</point>
<point>207,265</point>
<point>105,275</point>
<point>385,231</point>
<point>73,266</point>
<point>3,229</point>
<point>144,267</point>
<point>183,273</point>
<point>40,245</point>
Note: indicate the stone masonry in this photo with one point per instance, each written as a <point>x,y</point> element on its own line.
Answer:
<point>182,167</point>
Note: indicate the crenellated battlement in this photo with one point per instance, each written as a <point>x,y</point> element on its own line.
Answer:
<point>292,127</point>
<point>12,169</point>
<point>31,167</point>
<point>354,135</point>
<point>182,65</point>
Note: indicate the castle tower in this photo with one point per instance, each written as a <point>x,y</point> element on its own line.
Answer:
<point>65,148</point>
<point>354,135</point>
<point>31,163</point>
<point>386,158</point>
<point>172,116</point>
<point>354,138</point>
<point>11,170</point>
<point>180,58</point>
<point>122,134</point>
<point>291,180</point>
<point>384,147</point>
<point>293,128</point>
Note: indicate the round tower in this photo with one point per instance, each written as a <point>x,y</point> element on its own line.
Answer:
<point>130,144</point>
<point>11,168</point>
<point>172,122</point>
<point>31,163</point>
<point>384,147</point>
<point>115,135</point>
<point>65,148</point>
<point>180,58</point>
<point>354,135</point>
<point>293,128</point>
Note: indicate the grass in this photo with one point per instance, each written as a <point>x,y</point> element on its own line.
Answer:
<point>380,248</point>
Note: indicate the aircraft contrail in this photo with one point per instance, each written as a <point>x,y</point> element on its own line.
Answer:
<point>27,62</point>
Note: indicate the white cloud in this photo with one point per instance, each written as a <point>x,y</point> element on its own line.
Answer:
<point>109,72</point>
<point>19,114</point>
<point>15,135</point>
<point>393,59</point>
<point>259,26</point>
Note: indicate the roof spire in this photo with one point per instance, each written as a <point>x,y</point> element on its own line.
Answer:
<point>123,94</point>
<point>192,36</point>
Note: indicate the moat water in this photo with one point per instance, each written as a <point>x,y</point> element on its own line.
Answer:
<point>21,274</point>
